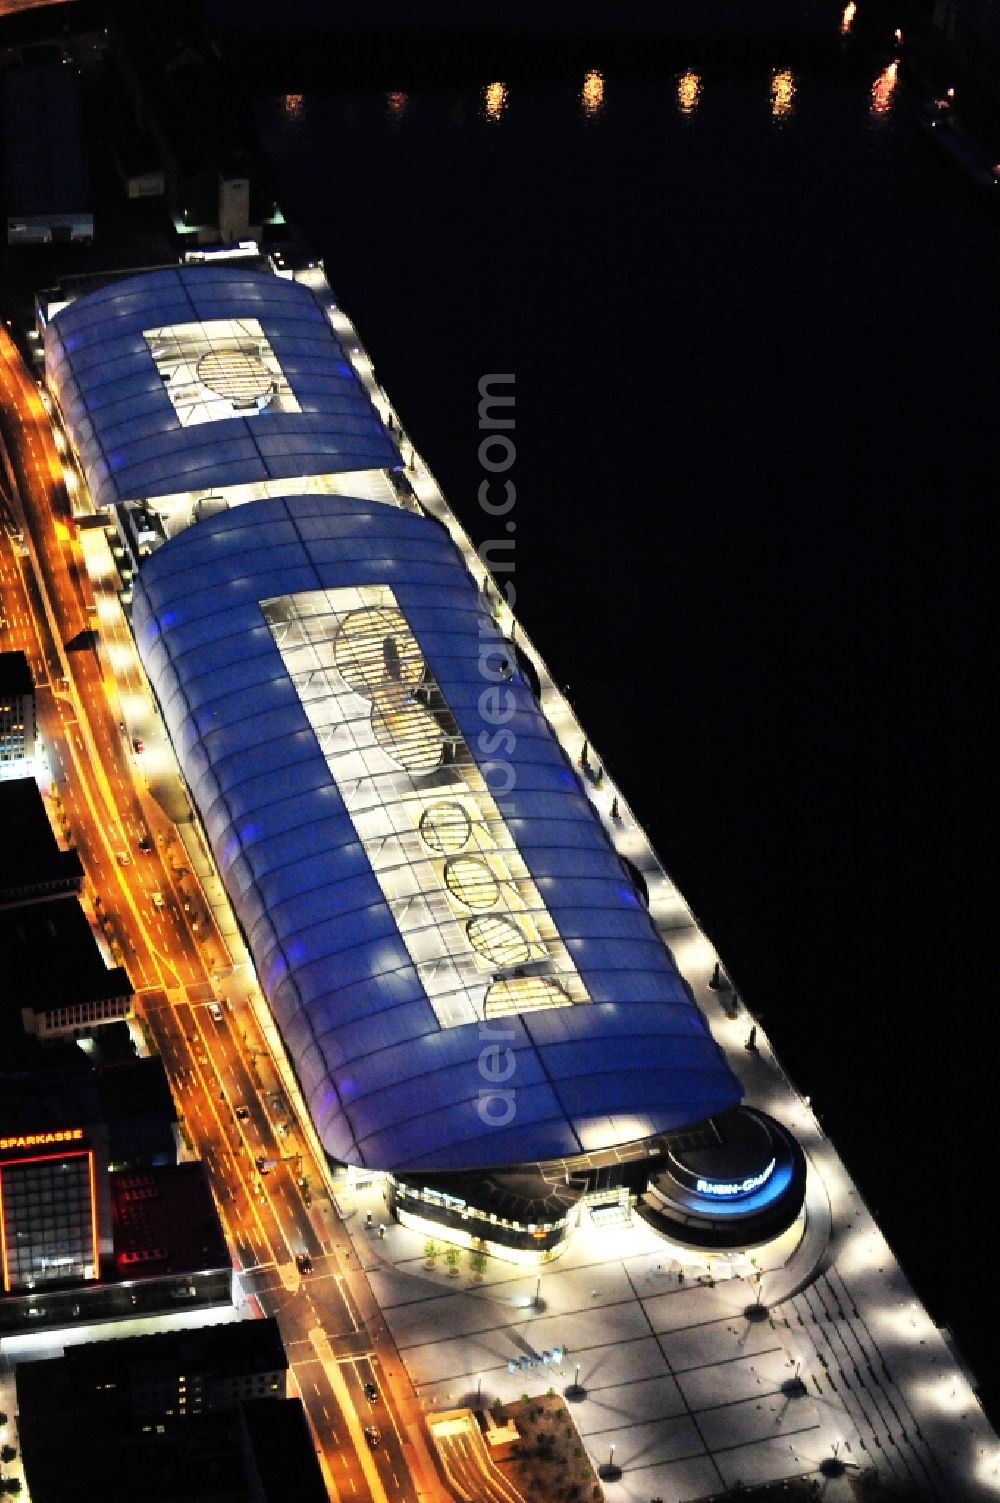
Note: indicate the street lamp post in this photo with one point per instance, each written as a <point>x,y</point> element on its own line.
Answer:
<point>479,1391</point>
<point>609,1472</point>
<point>575,1391</point>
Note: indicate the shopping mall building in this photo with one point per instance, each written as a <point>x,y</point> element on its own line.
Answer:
<point>467,981</point>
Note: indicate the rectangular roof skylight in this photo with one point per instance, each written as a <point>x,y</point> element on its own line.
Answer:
<point>222,368</point>
<point>471,917</point>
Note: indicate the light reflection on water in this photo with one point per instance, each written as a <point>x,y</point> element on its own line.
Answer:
<point>494,100</point>
<point>783,87</point>
<point>883,89</point>
<point>592,93</point>
<point>493,103</point>
<point>688,92</point>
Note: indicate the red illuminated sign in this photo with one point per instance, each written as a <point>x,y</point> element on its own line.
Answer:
<point>41,1139</point>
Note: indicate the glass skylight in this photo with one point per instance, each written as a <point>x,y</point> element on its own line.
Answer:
<point>222,368</point>
<point>470,914</point>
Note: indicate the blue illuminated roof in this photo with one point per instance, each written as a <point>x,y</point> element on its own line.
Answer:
<point>387,1084</point>
<point>125,426</point>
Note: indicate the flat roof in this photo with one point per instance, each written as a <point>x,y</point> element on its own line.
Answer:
<point>52,959</point>
<point>30,857</point>
<point>320,666</point>
<point>260,1449</point>
<point>165,1221</point>
<point>284,1455</point>
<point>104,1452</point>
<point>121,1095</point>
<point>231,1349</point>
<point>15,674</point>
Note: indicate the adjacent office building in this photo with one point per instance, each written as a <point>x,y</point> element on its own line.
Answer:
<point>98,1220</point>
<point>56,977</point>
<point>193,1414</point>
<point>17,716</point>
<point>33,867</point>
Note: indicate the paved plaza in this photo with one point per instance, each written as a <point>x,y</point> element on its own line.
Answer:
<point>692,1394</point>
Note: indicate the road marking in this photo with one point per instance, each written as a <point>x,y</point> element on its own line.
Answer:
<point>323,1350</point>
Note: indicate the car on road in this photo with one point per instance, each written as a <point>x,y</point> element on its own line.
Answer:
<point>264,1164</point>
<point>123,858</point>
<point>215,1011</point>
<point>371,1392</point>
<point>303,1262</point>
<point>242,1113</point>
<point>138,745</point>
<point>145,844</point>
<point>158,900</point>
<point>373,1436</point>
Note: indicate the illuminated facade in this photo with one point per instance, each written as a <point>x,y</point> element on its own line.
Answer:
<point>17,717</point>
<point>98,1220</point>
<point>48,1209</point>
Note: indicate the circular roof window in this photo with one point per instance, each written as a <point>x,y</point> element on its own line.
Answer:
<point>407,733</point>
<point>240,377</point>
<point>445,828</point>
<point>375,648</point>
<point>517,994</point>
<point>498,939</point>
<point>469,879</point>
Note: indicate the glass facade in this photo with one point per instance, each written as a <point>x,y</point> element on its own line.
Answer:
<point>48,1216</point>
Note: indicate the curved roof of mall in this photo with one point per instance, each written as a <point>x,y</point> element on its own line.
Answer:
<point>136,441</point>
<point>423,884</point>
<point>346,888</point>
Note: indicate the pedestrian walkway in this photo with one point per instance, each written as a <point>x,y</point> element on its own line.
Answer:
<point>466,1460</point>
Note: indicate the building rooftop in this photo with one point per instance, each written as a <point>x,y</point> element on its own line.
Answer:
<point>221,1456</point>
<point>15,674</point>
<point>31,862</point>
<point>52,958</point>
<point>283,1453</point>
<point>165,1221</point>
<point>184,380</point>
<point>231,1349</point>
<point>320,664</point>
<point>132,1098</point>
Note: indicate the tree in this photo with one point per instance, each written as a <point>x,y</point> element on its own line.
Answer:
<point>431,1249</point>
<point>7,1453</point>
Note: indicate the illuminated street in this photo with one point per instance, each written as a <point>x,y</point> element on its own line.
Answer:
<point>213,1066</point>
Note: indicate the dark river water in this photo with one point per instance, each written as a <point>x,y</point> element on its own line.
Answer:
<point>753,319</point>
